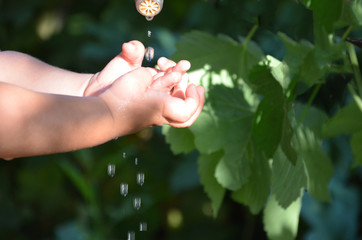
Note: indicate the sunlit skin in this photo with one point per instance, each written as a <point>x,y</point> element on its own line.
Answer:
<point>45,109</point>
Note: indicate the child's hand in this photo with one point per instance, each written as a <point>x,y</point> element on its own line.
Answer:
<point>129,59</point>
<point>166,65</point>
<point>143,97</point>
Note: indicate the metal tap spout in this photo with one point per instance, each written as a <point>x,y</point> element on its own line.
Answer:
<point>149,8</point>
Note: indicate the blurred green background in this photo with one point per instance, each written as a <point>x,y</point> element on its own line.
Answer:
<point>70,196</point>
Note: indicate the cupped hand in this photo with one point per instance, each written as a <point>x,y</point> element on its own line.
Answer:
<point>143,97</point>
<point>129,59</point>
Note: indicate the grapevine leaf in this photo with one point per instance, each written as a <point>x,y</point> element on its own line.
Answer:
<point>233,169</point>
<point>318,167</point>
<point>314,118</point>
<point>296,52</point>
<point>254,193</point>
<point>226,122</point>
<point>280,223</point>
<point>181,140</point>
<point>264,83</point>
<point>213,189</point>
<point>220,53</point>
<point>356,141</point>
<point>268,124</point>
<point>351,14</point>
<point>303,60</point>
<point>269,117</point>
<point>325,18</point>
<point>287,179</point>
<point>285,143</point>
<point>280,71</point>
<point>348,120</point>
<point>226,126</point>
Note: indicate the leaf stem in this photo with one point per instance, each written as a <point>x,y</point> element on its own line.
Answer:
<point>310,101</point>
<point>346,33</point>
<point>250,35</point>
<point>355,67</point>
<point>356,98</point>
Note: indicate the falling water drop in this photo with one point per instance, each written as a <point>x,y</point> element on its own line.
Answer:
<point>137,203</point>
<point>140,178</point>
<point>150,52</point>
<point>149,18</point>
<point>123,188</point>
<point>143,226</point>
<point>149,33</point>
<point>124,155</point>
<point>136,161</point>
<point>111,170</point>
<point>131,236</point>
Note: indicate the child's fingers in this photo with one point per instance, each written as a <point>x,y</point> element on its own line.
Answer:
<point>133,53</point>
<point>178,111</point>
<point>201,95</point>
<point>165,64</point>
<point>182,67</point>
<point>166,82</point>
<point>179,89</point>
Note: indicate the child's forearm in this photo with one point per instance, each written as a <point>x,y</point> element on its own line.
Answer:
<point>28,72</point>
<point>36,123</point>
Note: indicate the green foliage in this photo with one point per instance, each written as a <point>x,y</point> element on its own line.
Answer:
<point>275,73</point>
<point>281,223</point>
<point>251,136</point>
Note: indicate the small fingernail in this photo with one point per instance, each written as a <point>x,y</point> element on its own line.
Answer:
<point>162,60</point>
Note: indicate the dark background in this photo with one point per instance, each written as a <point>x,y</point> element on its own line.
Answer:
<point>70,196</point>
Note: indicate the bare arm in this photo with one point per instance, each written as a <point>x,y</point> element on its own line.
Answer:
<point>33,123</point>
<point>44,109</point>
<point>28,72</point>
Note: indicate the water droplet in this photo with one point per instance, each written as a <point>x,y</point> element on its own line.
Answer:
<point>149,18</point>
<point>150,52</point>
<point>137,203</point>
<point>143,226</point>
<point>124,155</point>
<point>111,170</point>
<point>149,33</point>
<point>136,161</point>
<point>131,236</point>
<point>123,188</point>
<point>140,178</point>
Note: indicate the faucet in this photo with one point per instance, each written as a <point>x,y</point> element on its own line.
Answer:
<point>149,8</point>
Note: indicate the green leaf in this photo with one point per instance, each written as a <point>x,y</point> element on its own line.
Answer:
<point>255,192</point>
<point>207,165</point>
<point>220,53</point>
<point>213,132</point>
<point>351,14</point>
<point>264,83</point>
<point>314,118</point>
<point>296,52</point>
<point>226,126</point>
<point>181,140</point>
<point>318,167</point>
<point>287,179</point>
<point>326,18</point>
<point>280,71</point>
<point>269,117</point>
<point>268,124</point>
<point>348,120</point>
<point>280,223</point>
<point>233,169</point>
<point>356,145</point>
<point>303,61</point>
<point>286,140</point>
